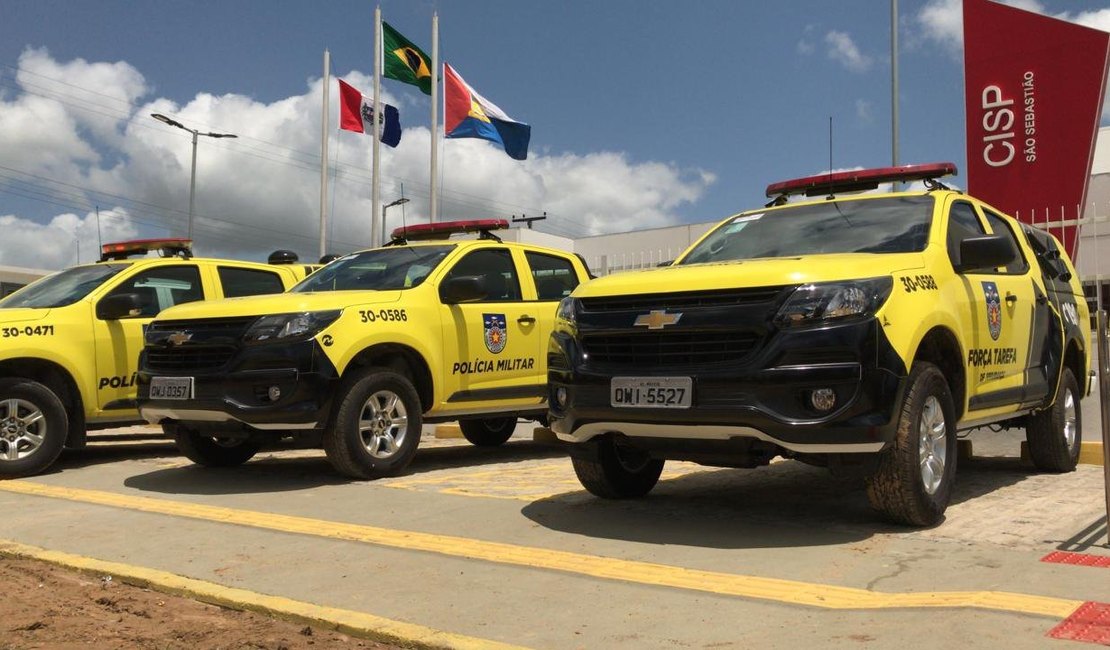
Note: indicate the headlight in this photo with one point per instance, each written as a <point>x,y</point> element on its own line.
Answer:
<point>568,310</point>
<point>289,326</point>
<point>817,303</point>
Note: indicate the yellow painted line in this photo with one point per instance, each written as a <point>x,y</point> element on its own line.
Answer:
<point>771,589</point>
<point>448,431</point>
<point>347,621</point>
<point>1090,453</point>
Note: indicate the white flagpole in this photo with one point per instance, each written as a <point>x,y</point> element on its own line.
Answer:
<point>324,158</point>
<point>434,200</point>
<point>376,192</point>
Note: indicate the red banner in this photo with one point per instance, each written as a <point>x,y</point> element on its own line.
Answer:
<point>1034,89</point>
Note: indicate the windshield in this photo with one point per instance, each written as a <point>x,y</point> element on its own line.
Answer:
<point>63,288</point>
<point>382,269</point>
<point>887,225</point>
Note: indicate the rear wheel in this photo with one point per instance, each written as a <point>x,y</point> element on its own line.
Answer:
<point>913,483</point>
<point>33,427</point>
<point>618,472</point>
<point>213,451</point>
<point>376,429</point>
<point>489,432</point>
<point>1055,434</point>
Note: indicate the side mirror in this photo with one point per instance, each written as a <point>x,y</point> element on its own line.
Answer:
<point>985,252</point>
<point>463,288</point>
<point>119,306</point>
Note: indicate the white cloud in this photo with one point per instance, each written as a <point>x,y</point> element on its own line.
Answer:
<point>843,50</point>
<point>259,192</point>
<point>942,21</point>
<point>865,111</point>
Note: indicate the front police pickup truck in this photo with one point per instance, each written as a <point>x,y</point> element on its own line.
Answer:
<point>857,332</point>
<point>354,359</point>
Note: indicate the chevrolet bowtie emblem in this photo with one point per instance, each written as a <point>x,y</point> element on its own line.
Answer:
<point>177,338</point>
<point>657,319</point>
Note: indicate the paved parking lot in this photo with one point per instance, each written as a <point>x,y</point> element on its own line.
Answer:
<point>475,546</point>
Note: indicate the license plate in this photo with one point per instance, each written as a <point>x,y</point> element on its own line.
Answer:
<point>652,392</point>
<point>171,388</point>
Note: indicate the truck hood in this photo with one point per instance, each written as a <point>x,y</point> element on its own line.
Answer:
<point>22,315</point>
<point>751,273</point>
<point>281,303</point>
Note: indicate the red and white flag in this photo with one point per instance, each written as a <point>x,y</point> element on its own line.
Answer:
<point>356,113</point>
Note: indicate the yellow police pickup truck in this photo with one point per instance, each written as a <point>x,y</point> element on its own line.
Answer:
<point>355,358</point>
<point>70,342</point>
<point>859,332</point>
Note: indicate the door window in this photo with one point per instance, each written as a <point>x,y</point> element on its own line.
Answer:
<point>962,223</point>
<point>249,282</point>
<point>162,287</point>
<point>554,276</point>
<point>496,266</point>
<point>1000,227</point>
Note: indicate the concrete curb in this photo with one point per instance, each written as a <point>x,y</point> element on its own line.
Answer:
<point>357,624</point>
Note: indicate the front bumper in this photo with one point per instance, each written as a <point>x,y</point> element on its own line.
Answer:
<point>764,396</point>
<point>239,391</point>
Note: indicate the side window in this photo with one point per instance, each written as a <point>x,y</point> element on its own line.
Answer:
<point>554,276</point>
<point>496,266</point>
<point>962,223</point>
<point>1000,227</point>
<point>249,282</point>
<point>163,287</point>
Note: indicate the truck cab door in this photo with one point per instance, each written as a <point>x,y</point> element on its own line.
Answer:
<point>492,339</point>
<point>997,317</point>
<point>119,337</point>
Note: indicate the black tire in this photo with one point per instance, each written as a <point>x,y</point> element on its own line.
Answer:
<point>1056,433</point>
<point>489,432</point>
<point>619,472</point>
<point>33,427</point>
<point>388,408</point>
<point>907,488</point>
<point>213,451</point>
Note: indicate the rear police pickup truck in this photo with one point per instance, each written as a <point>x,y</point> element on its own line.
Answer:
<point>356,357</point>
<point>858,332</point>
<point>70,342</point>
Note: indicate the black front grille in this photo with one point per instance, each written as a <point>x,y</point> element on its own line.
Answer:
<point>188,358</point>
<point>654,349</point>
<point>209,343</point>
<point>682,300</point>
<point>207,328</point>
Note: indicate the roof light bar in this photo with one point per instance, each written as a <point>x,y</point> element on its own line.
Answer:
<point>860,179</point>
<point>124,249</point>
<point>444,229</point>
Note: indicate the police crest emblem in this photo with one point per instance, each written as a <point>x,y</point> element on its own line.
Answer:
<point>496,334</point>
<point>994,309</point>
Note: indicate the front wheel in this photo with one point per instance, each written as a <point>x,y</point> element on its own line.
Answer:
<point>913,483</point>
<point>214,451</point>
<point>489,432</point>
<point>618,472</point>
<point>1056,433</point>
<point>33,427</point>
<point>376,429</point>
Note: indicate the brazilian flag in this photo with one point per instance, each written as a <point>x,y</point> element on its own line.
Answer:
<point>404,61</point>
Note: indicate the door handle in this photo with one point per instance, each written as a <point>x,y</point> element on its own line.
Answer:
<point>1010,298</point>
<point>526,320</point>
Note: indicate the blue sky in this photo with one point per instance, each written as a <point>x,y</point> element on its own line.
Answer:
<point>643,113</point>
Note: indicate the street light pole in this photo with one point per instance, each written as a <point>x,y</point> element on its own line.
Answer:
<point>384,208</point>
<point>193,173</point>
